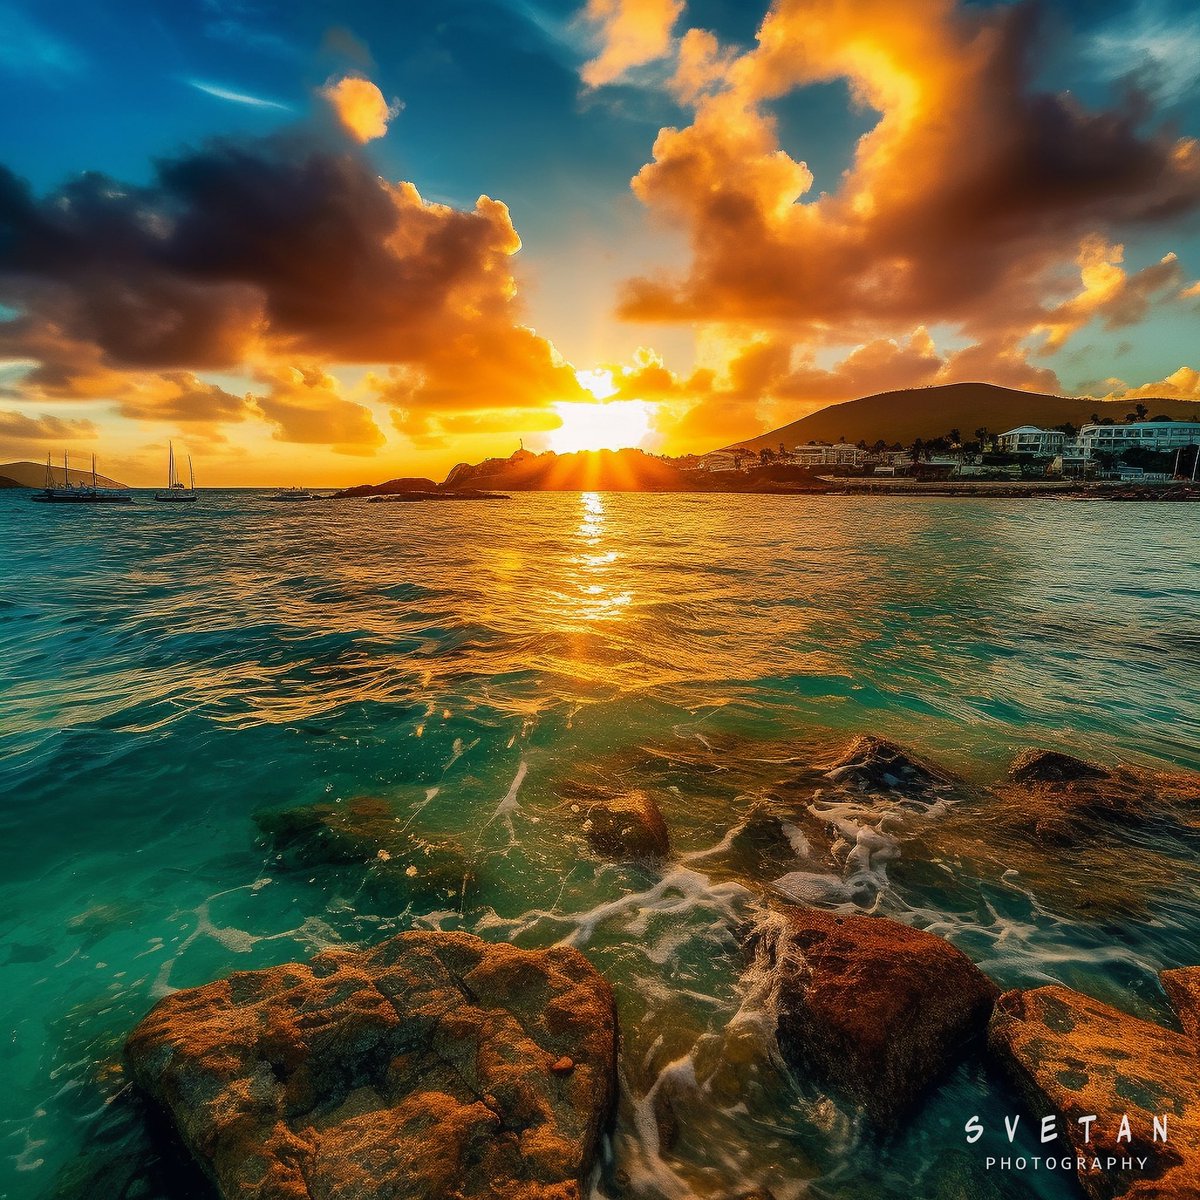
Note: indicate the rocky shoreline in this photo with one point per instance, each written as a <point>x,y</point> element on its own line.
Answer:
<point>437,1064</point>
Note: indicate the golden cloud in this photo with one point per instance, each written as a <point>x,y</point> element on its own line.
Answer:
<point>962,202</point>
<point>631,33</point>
<point>306,405</point>
<point>360,106</point>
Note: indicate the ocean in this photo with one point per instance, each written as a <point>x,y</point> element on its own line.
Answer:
<point>167,672</point>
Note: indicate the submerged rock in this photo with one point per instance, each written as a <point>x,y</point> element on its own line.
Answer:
<point>872,763</point>
<point>396,864</point>
<point>624,826</point>
<point>429,1066</point>
<point>1075,1057</point>
<point>873,1009</point>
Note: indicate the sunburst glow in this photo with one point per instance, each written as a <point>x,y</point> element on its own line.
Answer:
<point>600,426</point>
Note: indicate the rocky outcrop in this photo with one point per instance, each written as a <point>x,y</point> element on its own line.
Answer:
<point>876,764</point>
<point>435,1065</point>
<point>393,487</point>
<point>872,1009</point>
<point>1075,1057</point>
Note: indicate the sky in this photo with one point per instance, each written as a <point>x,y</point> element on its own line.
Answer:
<point>322,244</point>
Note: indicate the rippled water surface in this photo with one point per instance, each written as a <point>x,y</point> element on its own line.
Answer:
<point>169,672</point>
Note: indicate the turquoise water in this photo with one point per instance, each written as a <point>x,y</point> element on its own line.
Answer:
<point>168,672</point>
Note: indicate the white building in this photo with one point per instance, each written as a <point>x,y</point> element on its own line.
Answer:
<point>1029,439</point>
<point>1158,436</point>
<point>720,460</point>
<point>822,454</point>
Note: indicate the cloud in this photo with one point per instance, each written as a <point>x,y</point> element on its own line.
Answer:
<point>20,427</point>
<point>962,202</point>
<point>248,255</point>
<point>305,404</point>
<point>1183,384</point>
<point>630,33</point>
<point>182,398</point>
<point>360,106</point>
<point>1109,293</point>
<point>223,93</point>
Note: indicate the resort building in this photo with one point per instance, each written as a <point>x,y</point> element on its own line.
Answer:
<point>720,460</point>
<point>1029,439</point>
<point>822,454</point>
<point>1158,436</point>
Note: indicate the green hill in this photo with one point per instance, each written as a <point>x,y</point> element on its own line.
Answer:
<point>913,413</point>
<point>33,475</point>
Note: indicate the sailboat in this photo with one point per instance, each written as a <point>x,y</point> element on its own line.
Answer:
<point>176,493</point>
<point>77,493</point>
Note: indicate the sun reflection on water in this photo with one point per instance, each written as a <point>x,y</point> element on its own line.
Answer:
<point>603,597</point>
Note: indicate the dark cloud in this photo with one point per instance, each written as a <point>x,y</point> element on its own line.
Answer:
<point>272,252</point>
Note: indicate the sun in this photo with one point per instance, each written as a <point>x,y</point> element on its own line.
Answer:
<point>602,424</point>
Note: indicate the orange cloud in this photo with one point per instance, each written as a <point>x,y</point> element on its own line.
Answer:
<point>962,202</point>
<point>360,107</point>
<point>306,405</point>
<point>1109,292</point>
<point>19,427</point>
<point>631,33</point>
<point>1183,384</point>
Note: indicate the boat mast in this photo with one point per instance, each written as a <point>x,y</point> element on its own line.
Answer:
<point>93,472</point>
<point>191,475</point>
<point>49,472</point>
<point>170,465</point>
<point>66,471</point>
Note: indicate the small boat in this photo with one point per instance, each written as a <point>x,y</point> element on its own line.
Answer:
<point>293,494</point>
<point>176,493</point>
<point>77,493</point>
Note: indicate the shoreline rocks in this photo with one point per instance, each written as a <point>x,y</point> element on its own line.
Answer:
<point>434,1064</point>
<point>875,1010</point>
<point>1075,1057</point>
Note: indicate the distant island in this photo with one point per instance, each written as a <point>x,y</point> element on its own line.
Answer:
<point>33,475</point>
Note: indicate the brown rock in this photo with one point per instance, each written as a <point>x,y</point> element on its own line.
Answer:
<point>412,1070</point>
<point>563,1066</point>
<point>627,826</point>
<point>1050,766</point>
<point>1183,990</point>
<point>877,764</point>
<point>1073,1056</point>
<point>1064,801</point>
<point>873,1009</point>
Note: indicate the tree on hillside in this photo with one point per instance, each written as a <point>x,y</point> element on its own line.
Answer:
<point>918,450</point>
<point>954,437</point>
<point>1068,427</point>
<point>1140,413</point>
